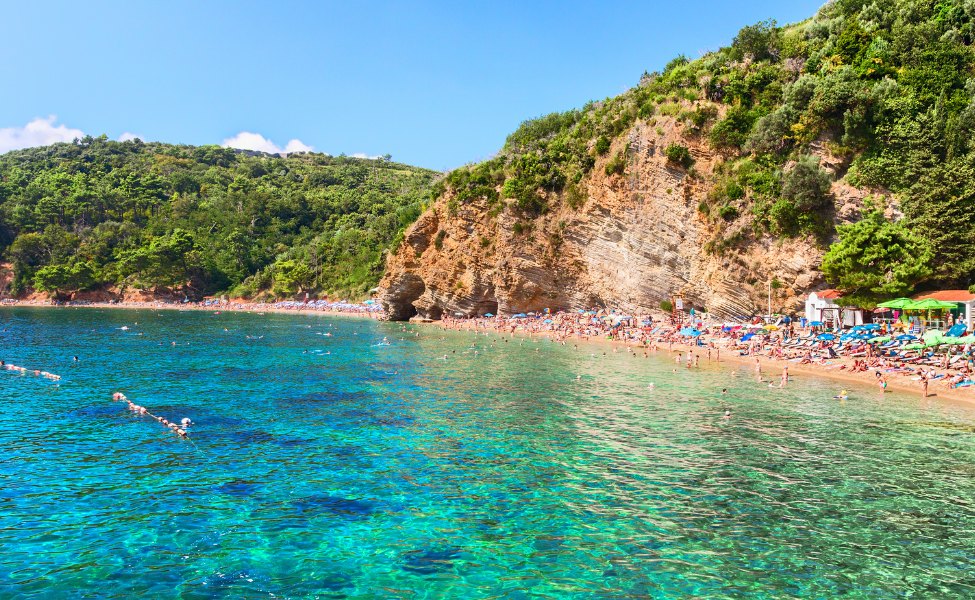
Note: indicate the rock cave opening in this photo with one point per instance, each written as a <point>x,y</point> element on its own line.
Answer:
<point>485,307</point>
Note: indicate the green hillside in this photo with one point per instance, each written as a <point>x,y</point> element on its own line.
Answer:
<point>885,87</point>
<point>97,213</point>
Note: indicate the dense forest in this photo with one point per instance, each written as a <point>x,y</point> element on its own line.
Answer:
<point>100,214</point>
<point>885,88</point>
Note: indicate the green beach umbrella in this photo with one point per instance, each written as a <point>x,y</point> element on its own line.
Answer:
<point>953,341</point>
<point>933,335</point>
<point>914,346</point>
<point>898,303</point>
<point>929,304</point>
<point>879,339</point>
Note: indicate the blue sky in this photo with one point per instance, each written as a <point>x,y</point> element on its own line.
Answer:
<point>434,84</point>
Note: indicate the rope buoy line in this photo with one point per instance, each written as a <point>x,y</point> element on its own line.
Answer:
<point>25,371</point>
<point>179,429</point>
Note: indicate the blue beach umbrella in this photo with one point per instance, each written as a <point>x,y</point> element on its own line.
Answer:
<point>815,323</point>
<point>690,331</point>
<point>547,321</point>
<point>826,336</point>
<point>905,338</point>
<point>488,314</point>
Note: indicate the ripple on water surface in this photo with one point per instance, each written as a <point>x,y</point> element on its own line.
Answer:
<point>334,466</point>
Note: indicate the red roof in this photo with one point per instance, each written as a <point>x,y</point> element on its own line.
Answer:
<point>829,294</point>
<point>947,296</point>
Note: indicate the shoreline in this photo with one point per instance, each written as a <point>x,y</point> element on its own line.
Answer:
<point>771,367</point>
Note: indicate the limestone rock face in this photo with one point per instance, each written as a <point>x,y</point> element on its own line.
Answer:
<point>638,239</point>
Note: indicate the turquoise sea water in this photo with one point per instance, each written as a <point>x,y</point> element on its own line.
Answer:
<point>333,466</point>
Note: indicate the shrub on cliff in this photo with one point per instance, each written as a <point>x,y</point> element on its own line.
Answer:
<point>807,186</point>
<point>678,155</point>
<point>617,164</point>
<point>732,131</point>
<point>728,212</point>
<point>758,42</point>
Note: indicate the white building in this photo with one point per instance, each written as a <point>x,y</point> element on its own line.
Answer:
<point>822,306</point>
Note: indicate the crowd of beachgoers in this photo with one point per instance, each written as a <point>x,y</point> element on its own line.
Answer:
<point>896,352</point>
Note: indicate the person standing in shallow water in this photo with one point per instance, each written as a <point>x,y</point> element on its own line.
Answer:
<point>785,376</point>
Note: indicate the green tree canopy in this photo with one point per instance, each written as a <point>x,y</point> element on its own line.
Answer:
<point>200,219</point>
<point>875,260</point>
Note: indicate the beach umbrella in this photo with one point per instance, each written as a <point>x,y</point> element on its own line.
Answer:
<point>519,316</point>
<point>905,338</point>
<point>547,321</point>
<point>772,327</point>
<point>953,341</point>
<point>488,314</point>
<point>826,336</point>
<point>815,323</point>
<point>929,304</point>
<point>932,335</point>
<point>913,346</point>
<point>899,303</point>
<point>690,331</point>
<point>880,339</point>
<point>870,327</point>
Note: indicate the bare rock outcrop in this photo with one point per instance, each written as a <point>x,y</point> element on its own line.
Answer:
<point>639,238</point>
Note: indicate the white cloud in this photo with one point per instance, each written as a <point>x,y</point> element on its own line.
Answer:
<point>128,135</point>
<point>364,155</point>
<point>39,132</point>
<point>297,146</point>
<point>246,140</point>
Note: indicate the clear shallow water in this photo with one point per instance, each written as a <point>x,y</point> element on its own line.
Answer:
<point>384,471</point>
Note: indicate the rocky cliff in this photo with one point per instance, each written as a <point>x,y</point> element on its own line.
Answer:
<point>636,239</point>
